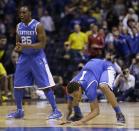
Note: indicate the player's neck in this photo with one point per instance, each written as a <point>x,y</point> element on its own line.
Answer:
<point>28,21</point>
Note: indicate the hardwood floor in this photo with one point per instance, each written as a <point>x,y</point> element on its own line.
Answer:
<point>36,114</point>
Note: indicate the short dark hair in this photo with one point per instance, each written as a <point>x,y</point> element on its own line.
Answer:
<point>26,6</point>
<point>73,86</point>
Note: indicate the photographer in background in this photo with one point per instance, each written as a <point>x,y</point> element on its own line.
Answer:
<point>124,85</point>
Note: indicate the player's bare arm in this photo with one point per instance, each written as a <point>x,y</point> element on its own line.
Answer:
<point>94,112</point>
<point>41,38</point>
<point>17,48</point>
<point>70,105</point>
<point>67,114</point>
<point>69,110</point>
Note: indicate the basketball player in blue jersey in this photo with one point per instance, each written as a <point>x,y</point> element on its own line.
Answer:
<point>32,66</point>
<point>96,73</point>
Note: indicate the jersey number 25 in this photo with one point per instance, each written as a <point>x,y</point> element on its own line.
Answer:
<point>26,39</point>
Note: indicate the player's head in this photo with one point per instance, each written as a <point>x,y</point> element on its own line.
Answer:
<point>74,91</point>
<point>73,87</point>
<point>25,13</point>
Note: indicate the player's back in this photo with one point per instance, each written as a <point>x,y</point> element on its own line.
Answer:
<point>97,66</point>
<point>28,35</point>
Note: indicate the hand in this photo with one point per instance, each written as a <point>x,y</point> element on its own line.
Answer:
<point>18,47</point>
<point>63,122</point>
<point>77,123</point>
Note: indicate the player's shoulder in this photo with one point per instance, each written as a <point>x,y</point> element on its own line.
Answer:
<point>97,60</point>
<point>36,24</point>
<point>35,21</point>
<point>19,25</point>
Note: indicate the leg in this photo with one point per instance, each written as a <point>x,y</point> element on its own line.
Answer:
<point>106,83</point>
<point>44,81</point>
<point>110,96</point>
<point>18,95</point>
<point>22,79</point>
<point>56,114</point>
<point>112,99</point>
<point>50,96</point>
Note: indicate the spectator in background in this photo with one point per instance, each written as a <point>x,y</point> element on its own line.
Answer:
<point>125,84</point>
<point>135,5</point>
<point>48,23</point>
<point>130,20</point>
<point>133,41</point>
<point>96,13</point>
<point>130,15</point>
<point>109,39</point>
<point>77,39</point>
<point>85,6</point>
<point>89,32</point>
<point>66,18</point>
<point>119,7</point>
<point>2,27</point>
<point>3,73</point>
<point>76,20</point>
<point>112,19</point>
<point>95,43</point>
<point>69,60</point>
<point>87,20</point>
<point>111,57</point>
<point>10,66</point>
<point>122,49</point>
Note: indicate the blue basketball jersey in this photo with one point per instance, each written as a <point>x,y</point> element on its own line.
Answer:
<point>28,35</point>
<point>96,70</point>
<point>93,74</point>
<point>32,67</point>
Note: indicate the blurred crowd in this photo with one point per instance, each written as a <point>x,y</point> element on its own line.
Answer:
<point>77,31</point>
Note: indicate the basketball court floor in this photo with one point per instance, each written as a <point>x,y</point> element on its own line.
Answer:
<point>36,114</point>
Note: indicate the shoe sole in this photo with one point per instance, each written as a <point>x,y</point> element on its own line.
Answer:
<point>59,118</point>
<point>121,123</point>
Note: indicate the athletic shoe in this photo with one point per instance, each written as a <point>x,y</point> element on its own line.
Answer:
<point>76,118</point>
<point>55,115</point>
<point>120,118</point>
<point>18,114</point>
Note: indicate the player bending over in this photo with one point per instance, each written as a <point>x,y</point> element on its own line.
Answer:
<point>96,73</point>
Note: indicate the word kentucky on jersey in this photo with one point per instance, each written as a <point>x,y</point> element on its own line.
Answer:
<point>22,32</point>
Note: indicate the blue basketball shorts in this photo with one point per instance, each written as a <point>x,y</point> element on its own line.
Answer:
<point>32,70</point>
<point>108,77</point>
